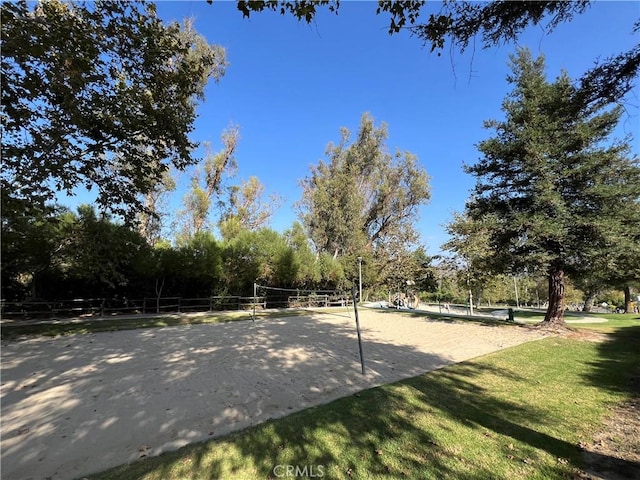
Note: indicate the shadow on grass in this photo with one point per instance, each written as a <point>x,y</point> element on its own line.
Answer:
<point>392,416</point>
<point>387,417</point>
<point>381,429</point>
<point>617,369</point>
<point>618,365</point>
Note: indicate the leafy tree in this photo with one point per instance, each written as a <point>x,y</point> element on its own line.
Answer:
<point>425,275</point>
<point>363,198</point>
<point>246,209</point>
<point>619,268</point>
<point>55,253</point>
<point>625,270</point>
<point>305,266</point>
<point>447,288</point>
<point>98,94</point>
<point>200,265</point>
<point>253,256</point>
<point>198,201</point>
<point>496,22</point>
<point>160,266</point>
<point>99,255</point>
<point>393,264</point>
<point>32,237</point>
<point>469,241</point>
<point>332,275</point>
<point>555,187</point>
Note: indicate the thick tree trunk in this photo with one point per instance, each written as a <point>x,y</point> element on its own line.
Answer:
<point>588,301</point>
<point>627,299</point>
<point>555,312</point>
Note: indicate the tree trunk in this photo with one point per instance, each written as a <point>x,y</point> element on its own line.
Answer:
<point>588,301</point>
<point>34,286</point>
<point>555,312</point>
<point>627,299</point>
<point>479,297</point>
<point>159,288</point>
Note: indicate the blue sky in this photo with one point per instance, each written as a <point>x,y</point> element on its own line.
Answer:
<point>290,86</point>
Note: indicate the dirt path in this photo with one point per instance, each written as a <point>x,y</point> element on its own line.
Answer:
<point>81,404</point>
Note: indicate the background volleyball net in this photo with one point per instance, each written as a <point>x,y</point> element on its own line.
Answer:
<point>332,302</point>
<point>297,298</point>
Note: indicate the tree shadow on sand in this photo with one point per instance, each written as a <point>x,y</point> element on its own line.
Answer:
<point>356,426</point>
<point>359,427</point>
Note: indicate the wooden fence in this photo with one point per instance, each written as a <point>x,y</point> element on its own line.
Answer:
<point>103,307</point>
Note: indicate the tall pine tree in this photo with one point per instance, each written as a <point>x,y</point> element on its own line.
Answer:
<point>558,189</point>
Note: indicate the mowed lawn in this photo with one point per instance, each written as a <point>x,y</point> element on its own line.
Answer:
<point>519,413</point>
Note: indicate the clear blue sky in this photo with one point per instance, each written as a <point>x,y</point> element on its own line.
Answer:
<point>290,87</point>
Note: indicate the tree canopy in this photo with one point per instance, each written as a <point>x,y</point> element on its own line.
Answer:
<point>363,197</point>
<point>198,201</point>
<point>554,191</point>
<point>364,201</point>
<point>100,95</point>
<point>246,208</point>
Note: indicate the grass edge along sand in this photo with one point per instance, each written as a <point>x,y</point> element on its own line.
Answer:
<point>519,413</point>
<point>83,326</point>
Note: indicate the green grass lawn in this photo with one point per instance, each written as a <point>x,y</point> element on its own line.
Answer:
<point>614,321</point>
<point>110,325</point>
<point>516,414</point>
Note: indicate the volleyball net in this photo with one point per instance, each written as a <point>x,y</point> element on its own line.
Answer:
<point>298,298</point>
<point>331,302</point>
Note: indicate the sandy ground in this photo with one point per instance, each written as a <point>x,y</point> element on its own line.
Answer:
<point>81,404</point>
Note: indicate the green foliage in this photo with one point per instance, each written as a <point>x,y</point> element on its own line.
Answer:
<point>200,263</point>
<point>208,184</point>
<point>100,95</point>
<point>98,251</point>
<point>331,272</point>
<point>150,220</point>
<point>304,263</point>
<point>301,9</point>
<point>52,253</point>
<point>495,22</point>
<point>56,254</point>
<point>246,208</point>
<point>553,192</point>
<point>425,275</point>
<point>31,236</point>
<point>468,242</point>
<point>253,256</point>
<point>364,195</point>
<point>364,202</point>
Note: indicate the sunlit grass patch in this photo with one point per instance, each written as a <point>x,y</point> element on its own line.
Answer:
<point>614,321</point>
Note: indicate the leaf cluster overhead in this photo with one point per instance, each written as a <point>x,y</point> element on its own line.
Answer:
<point>100,95</point>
